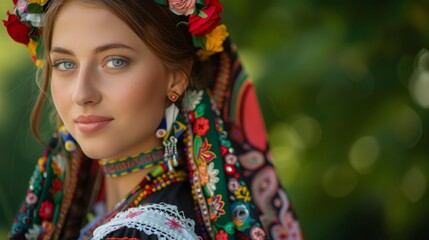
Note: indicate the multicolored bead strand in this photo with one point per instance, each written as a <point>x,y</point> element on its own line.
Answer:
<point>123,166</point>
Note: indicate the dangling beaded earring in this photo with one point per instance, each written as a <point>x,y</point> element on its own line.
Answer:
<point>164,129</point>
<point>170,114</point>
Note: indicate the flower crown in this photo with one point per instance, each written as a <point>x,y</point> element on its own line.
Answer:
<point>208,34</point>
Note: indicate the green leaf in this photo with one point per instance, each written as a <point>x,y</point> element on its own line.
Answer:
<point>162,2</point>
<point>34,8</point>
<point>199,42</point>
<point>202,14</point>
<point>198,142</point>
<point>200,4</point>
<point>200,110</point>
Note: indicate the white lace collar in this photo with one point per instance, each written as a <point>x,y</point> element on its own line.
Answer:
<point>162,220</point>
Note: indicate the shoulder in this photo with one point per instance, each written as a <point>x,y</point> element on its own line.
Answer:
<point>151,221</point>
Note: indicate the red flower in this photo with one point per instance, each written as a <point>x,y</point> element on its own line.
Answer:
<point>17,30</point>
<point>46,210</point>
<point>192,116</point>
<point>199,26</point>
<point>201,126</point>
<point>57,184</point>
<point>221,235</point>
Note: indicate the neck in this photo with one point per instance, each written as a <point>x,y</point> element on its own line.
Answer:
<point>118,188</point>
<point>122,175</point>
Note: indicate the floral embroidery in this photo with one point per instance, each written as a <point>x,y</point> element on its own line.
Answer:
<point>241,216</point>
<point>59,165</point>
<point>57,185</point>
<point>233,185</point>
<point>201,126</point>
<point>204,152</point>
<point>200,110</point>
<point>258,233</point>
<point>204,176</point>
<point>31,198</point>
<point>216,207</point>
<point>46,210</point>
<point>34,232</point>
<point>42,164</point>
<point>49,228</point>
<point>243,193</point>
<point>192,99</point>
<point>213,179</point>
<point>231,159</point>
<point>221,235</point>
<point>173,224</point>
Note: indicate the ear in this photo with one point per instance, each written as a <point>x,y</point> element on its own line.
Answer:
<point>178,82</point>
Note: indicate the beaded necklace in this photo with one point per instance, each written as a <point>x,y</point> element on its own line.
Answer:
<point>134,163</point>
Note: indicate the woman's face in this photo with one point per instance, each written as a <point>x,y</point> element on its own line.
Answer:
<point>107,86</point>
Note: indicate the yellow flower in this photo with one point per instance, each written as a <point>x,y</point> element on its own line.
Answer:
<point>214,42</point>
<point>39,63</point>
<point>41,163</point>
<point>32,45</point>
<point>215,39</point>
<point>243,193</point>
<point>41,2</point>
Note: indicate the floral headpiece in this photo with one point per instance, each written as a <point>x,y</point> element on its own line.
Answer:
<point>208,34</point>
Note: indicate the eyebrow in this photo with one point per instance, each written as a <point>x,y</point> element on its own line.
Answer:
<point>96,51</point>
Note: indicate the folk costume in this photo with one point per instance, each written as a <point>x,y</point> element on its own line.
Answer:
<point>212,179</point>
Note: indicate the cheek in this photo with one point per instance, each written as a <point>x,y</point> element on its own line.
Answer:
<point>58,97</point>
<point>142,94</point>
<point>146,96</point>
<point>62,100</point>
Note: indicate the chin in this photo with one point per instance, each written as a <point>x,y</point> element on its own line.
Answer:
<point>93,154</point>
<point>96,152</point>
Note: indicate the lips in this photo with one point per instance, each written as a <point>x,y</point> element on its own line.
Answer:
<point>92,124</point>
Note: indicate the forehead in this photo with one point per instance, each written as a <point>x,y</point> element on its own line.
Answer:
<point>83,24</point>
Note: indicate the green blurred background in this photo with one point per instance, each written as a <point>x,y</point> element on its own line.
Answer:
<point>344,88</point>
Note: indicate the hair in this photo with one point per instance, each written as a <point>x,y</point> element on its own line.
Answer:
<point>160,30</point>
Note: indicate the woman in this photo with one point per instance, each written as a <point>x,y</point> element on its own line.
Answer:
<point>159,134</point>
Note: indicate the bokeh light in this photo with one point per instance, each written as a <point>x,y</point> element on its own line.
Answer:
<point>364,153</point>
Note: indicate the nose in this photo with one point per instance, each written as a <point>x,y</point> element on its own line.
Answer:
<point>87,89</point>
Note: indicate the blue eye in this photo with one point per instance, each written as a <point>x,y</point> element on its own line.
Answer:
<point>64,65</point>
<point>116,62</point>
